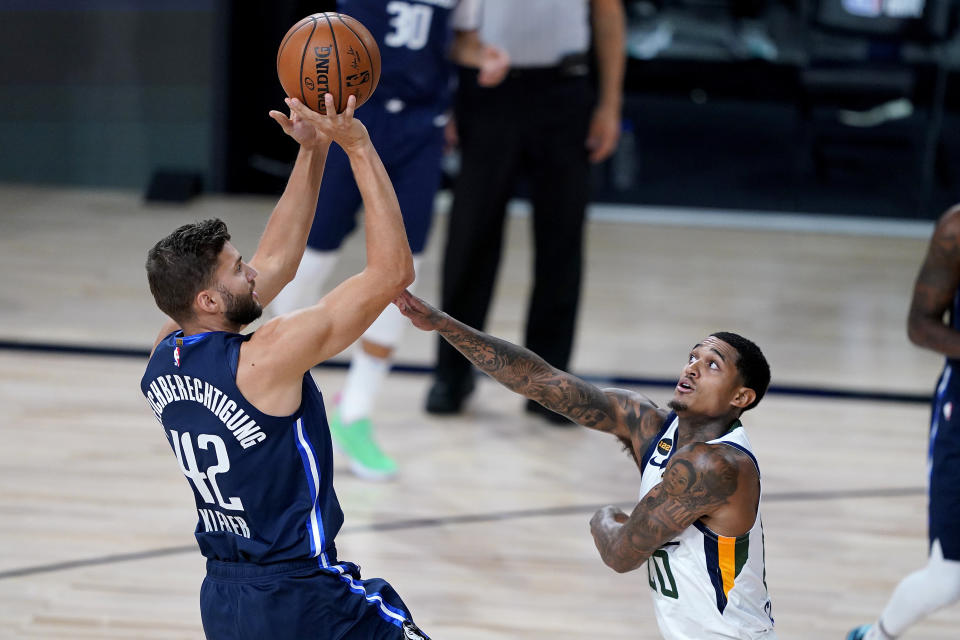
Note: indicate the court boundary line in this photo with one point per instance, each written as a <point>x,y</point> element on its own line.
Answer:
<point>727,218</point>
<point>758,220</point>
<point>616,380</point>
<point>470,518</point>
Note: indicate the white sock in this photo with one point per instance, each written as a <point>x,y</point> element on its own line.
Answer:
<point>876,632</point>
<point>363,383</point>
<point>304,290</point>
<point>367,372</point>
<point>919,594</point>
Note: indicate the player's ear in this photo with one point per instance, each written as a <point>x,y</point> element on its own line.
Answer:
<point>206,301</point>
<point>744,397</point>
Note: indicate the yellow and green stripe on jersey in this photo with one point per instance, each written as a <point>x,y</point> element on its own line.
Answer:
<point>725,557</point>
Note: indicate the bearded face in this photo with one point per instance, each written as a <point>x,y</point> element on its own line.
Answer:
<point>241,309</point>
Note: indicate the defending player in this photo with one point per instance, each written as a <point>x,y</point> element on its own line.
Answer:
<point>936,292</point>
<point>244,417</point>
<point>406,117</point>
<point>697,525</point>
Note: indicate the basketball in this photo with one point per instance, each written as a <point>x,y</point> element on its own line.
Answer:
<point>328,53</point>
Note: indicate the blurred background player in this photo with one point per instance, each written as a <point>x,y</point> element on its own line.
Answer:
<point>544,122</point>
<point>405,117</point>
<point>936,293</point>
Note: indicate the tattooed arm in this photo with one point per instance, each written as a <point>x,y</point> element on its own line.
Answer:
<point>628,415</point>
<point>699,480</point>
<point>935,288</point>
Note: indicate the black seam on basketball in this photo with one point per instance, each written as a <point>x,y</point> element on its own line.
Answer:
<point>303,54</point>
<point>283,45</point>
<point>365,50</point>
<point>333,37</point>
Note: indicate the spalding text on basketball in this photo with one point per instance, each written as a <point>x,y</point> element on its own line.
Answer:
<point>321,57</point>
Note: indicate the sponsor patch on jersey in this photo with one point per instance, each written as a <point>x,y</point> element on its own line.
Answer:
<point>412,632</point>
<point>664,446</point>
<point>176,356</point>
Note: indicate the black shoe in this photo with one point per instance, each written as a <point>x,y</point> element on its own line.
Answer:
<point>446,397</point>
<point>550,416</point>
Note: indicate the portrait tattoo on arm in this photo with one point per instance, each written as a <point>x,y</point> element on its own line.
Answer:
<point>697,481</point>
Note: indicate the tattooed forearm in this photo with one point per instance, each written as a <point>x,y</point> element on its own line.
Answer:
<point>694,484</point>
<point>526,373</point>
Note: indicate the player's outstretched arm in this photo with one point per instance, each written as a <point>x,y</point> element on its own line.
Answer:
<point>628,415</point>
<point>935,288</point>
<point>285,237</point>
<point>287,346</point>
<point>698,480</point>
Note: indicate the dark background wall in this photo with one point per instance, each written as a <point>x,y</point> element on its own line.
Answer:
<point>250,156</point>
<point>102,93</point>
<point>108,93</point>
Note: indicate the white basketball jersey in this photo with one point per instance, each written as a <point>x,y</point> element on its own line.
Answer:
<point>707,586</point>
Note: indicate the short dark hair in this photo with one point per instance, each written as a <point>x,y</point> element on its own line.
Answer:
<point>183,263</point>
<point>752,365</point>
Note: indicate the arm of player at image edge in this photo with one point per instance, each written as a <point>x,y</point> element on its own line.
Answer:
<point>630,416</point>
<point>492,63</point>
<point>284,238</point>
<point>291,344</point>
<point>697,481</point>
<point>935,288</point>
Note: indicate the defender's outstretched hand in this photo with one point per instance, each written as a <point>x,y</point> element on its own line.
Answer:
<point>423,316</point>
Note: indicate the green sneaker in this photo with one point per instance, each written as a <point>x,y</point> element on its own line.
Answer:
<point>859,633</point>
<point>356,441</point>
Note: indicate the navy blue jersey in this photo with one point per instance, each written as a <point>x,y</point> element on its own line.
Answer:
<point>943,454</point>
<point>414,39</point>
<point>263,484</point>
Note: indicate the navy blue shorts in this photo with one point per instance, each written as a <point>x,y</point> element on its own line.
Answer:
<point>944,462</point>
<point>410,143</point>
<point>297,600</point>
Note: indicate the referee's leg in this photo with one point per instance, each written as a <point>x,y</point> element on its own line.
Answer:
<point>489,152</point>
<point>559,179</point>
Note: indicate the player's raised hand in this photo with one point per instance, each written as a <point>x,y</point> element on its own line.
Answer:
<point>300,129</point>
<point>423,316</point>
<point>342,127</point>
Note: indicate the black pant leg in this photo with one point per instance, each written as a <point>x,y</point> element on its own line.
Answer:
<point>489,148</point>
<point>559,175</point>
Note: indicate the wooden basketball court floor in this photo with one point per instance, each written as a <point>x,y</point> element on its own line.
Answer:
<point>485,532</point>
